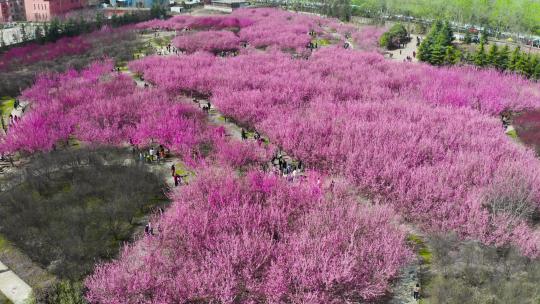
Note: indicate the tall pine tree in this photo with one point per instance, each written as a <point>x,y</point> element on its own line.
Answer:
<point>503,58</point>
<point>514,58</point>
<point>38,34</point>
<point>492,55</point>
<point>480,59</point>
<point>536,71</point>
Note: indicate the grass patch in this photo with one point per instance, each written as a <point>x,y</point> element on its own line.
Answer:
<point>421,248</point>
<point>513,134</point>
<point>181,170</point>
<point>221,118</point>
<point>6,105</point>
<point>322,42</point>
<point>3,244</point>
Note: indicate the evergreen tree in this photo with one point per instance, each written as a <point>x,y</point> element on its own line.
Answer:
<point>492,55</point>
<point>484,36</point>
<point>83,26</point>
<point>514,58</point>
<point>100,19</point>
<point>446,35</point>
<point>503,59</point>
<point>533,62</point>
<point>38,34</point>
<point>536,71</point>
<point>53,32</point>
<point>437,54</point>
<point>24,35</point>
<point>522,65</point>
<point>452,55</point>
<point>468,37</point>
<point>45,31</point>
<point>424,50</point>
<point>480,59</point>
<point>2,41</point>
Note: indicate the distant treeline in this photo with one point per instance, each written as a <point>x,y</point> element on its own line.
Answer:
<point>500,15</point>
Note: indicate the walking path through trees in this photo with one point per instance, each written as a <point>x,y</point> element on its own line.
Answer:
<point>409,50</point>
<point>15,289</point>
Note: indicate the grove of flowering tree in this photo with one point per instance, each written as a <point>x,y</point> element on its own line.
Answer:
<point>368,37</point>
<point>260,28</point>
<point>396,142</point>
<point>100,107</point>
<point>256,239</point>
<point>415,137</point>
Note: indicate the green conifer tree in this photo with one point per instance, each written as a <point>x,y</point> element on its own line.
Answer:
<point>536,71</point>
<point>38,34</point>
<point>493,54</point>
<point>514,58</point>
<point>2,41</point>
<point>437,54</point>
<point>503,59</point>
<point>24,34</point>
<point>521,66</point>
<point>533,62</point>
<point>468,37</point>
<point>480,59</point>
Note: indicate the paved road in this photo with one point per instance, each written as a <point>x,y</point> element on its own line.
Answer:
<point>15,289</point>
<point>407,51</point>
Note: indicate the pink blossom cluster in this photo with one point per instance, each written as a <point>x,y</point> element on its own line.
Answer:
<point>349,75</point>
<point>100,107</point>
<point>335,25</point>
<point>209,41</point>
<point>196,23</point>
<point>387,127</point>
<point>256,239</point>
<point>367,38</point>
<point>274,27</point>
<point>35,52</point>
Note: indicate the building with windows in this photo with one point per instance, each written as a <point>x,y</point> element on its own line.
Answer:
<point>12,10</point>
<point>45,10</point>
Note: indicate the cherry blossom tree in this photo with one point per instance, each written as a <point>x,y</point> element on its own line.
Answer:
<point>209,41</point>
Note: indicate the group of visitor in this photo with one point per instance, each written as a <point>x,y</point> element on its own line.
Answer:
<point>289,170</point>
<point>13,120</point>
<point>313,46</point>
<point>506,120</point>
<point>153,154</point>
<point>256,136</point>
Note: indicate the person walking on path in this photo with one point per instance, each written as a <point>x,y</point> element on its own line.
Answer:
<point>176,179</point>
<point>244,135</point>
<point>416,292</point>
<point>173,170</point>
<point>148,229</point>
